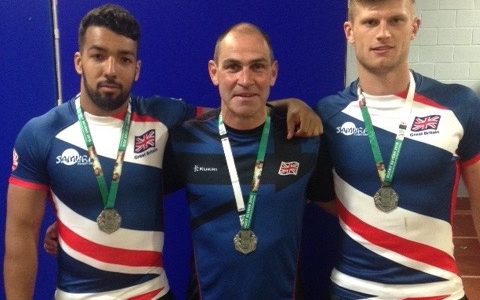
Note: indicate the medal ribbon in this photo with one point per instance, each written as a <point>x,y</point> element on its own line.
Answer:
<point>108,197</point>
<point>245,217</point>
<point>387,178</point>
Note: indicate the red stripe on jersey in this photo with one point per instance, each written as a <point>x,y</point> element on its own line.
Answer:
<point>421,99</point>
<point>126,257</point>
<point>27,184</point>
<point>147,296</point>
<point>135,117</point>
<point>429,298</point>
<point>453,196</point>
<point>470,162</point>
<point>200,110</point>
<point>410,249</point>
<point>428,101</point>
<point>143,118</point>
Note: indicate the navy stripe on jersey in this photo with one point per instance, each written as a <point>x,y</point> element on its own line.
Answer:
<point>411,246</point>
<point>224,273</point>
<point>52,154</point>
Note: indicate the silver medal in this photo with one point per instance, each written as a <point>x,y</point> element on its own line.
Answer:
<point>109,220</point>
<point>386,199</point>
<point>245,241</point>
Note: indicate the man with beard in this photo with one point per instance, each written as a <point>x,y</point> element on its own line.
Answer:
<point>110,234</point>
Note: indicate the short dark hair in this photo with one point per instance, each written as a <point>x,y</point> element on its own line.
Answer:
<point>243,28</point>
<point>112,17</point>
<point>353,3</point>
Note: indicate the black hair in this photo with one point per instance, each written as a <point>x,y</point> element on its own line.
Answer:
<point>112,17</point>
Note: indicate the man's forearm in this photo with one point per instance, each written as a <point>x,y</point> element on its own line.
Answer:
<point>20,268</point>
<point>475,206</point>
<point>471,177</point>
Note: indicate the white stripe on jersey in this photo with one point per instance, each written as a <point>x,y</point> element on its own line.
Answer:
<point>110,267</point>
<point>384,113</point>
<point>400,222</point>
<point>400,291</point>
<point>106,133</point>
<point>399,258</point>
<point>125,293</point>
<point>88,229</point>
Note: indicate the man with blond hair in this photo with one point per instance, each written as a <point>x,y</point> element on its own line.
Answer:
<point>398,143</point>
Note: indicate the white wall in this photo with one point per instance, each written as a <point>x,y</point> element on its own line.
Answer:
<point>447,47</point>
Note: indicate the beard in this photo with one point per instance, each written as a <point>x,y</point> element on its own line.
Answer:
<point>106,102</point>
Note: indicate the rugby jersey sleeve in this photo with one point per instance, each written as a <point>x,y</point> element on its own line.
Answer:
<point>469,146</point>
<point>173,181</point>
<point>170,111</point>
<point>30,157</point>
<point>320,187</point>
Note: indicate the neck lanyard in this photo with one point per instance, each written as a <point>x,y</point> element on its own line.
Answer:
<point>108,197</point>
<point>245,218</point>
<point>386,179</point>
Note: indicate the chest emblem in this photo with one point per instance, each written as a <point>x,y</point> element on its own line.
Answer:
<point>288,168</point>
<point>145,141</point>
<point>425,125</point>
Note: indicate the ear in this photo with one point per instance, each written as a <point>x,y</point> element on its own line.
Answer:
<point>213,72</point>
<point>137,69</point>
<point>274,73</point>
<point>348,30</point>
<point>416,27</point>
<point>77,61</point>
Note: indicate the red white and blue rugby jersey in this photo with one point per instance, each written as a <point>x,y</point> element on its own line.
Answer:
<point>408,252</point>
<point>51,155</point>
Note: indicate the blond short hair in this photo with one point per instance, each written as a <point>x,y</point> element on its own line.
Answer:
<point>352,4</point>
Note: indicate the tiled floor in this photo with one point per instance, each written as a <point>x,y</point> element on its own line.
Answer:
<point>467,249</point>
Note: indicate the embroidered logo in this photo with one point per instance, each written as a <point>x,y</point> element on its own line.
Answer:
<point>71,157</point>
<point>288,168</point>
<point>425,123</point>
<point>198,168</point>
<point>145,141</point>
<point>349,128</point>
<point>15,160</point>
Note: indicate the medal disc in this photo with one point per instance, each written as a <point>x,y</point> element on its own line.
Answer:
<point>386,199</point>
<point>109,220</point>
<point>245,241</point>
